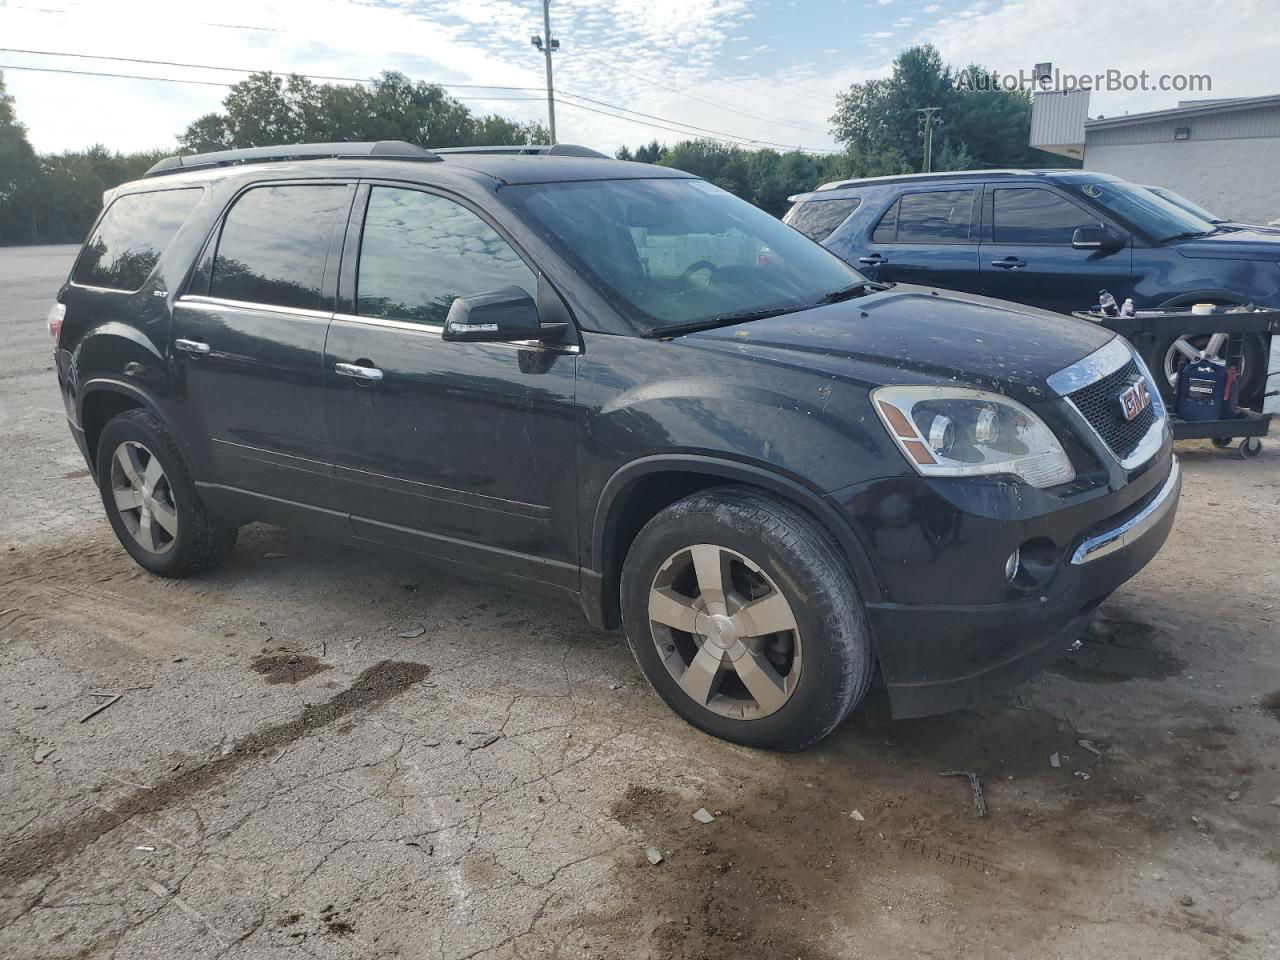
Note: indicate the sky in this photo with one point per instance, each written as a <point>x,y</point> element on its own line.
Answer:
<point>761,72</point>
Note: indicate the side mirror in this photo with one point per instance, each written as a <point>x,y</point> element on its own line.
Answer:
<point>1098,238</point>
<point>497,316</point>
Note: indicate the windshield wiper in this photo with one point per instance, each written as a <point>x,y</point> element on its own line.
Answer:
<point>679,329</point>
<point>1190,234</point>
<point>861,288</point>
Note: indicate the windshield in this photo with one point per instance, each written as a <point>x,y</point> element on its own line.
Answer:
<point>1140,208</point>
<point>677,252</point>
<point>1193,208</point>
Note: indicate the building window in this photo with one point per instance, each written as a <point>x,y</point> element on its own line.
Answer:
<point>1182,133</point>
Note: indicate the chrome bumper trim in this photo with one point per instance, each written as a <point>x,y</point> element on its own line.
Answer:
<point>1133,528</point>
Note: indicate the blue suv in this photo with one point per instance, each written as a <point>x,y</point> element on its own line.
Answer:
<point>1051,239</point>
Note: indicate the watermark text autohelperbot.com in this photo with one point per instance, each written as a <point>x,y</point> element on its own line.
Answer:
<point>1109,81</point>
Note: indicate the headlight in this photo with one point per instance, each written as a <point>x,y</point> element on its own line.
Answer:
<point>959,432</point>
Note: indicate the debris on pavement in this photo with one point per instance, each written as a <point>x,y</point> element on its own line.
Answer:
<point>102,706</point>
<point>1187,900</point>
<point>1090,746</point>
<point>412,633</point>
<point>146,849</point>
<point>1233,795</point>
<point>979,804</point>
<point>653,855</point>
<point>703,815</point>
<point>274,556</point>
<point>42,754</point>
<point>486,740</point>
<point>855,815</point>
<point>1055,761</point>
<point>1082,774</point>
<point>1276,802</point>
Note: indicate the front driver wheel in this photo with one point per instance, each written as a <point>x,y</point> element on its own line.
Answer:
<point>743,616</point>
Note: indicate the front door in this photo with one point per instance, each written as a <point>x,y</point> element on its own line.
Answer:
<point>462,451</point>
<point>927,237</point>
<point>1027,257</point>
<point>247,344</point>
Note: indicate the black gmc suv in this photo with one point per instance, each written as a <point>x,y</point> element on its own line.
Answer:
<point>618,382</point>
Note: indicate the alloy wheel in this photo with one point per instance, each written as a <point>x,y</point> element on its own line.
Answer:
<point>725,632</point>
<point>143,497</point>
<point>1186,350</point>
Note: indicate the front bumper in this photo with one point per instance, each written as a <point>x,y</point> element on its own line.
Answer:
<point>937,658</point>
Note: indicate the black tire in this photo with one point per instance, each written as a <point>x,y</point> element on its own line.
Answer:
<point>1222,443</point>
<point>1254,363</point>
<point>805,565</point>
<point>1250,447</point>
<point>201,541</point>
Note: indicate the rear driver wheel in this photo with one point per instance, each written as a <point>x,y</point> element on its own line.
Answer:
<point>744,618</point>
<point>151,501</point>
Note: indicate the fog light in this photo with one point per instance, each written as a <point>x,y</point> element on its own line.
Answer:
<point>1011,565</point>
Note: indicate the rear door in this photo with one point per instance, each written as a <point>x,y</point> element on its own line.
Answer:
<point>247,342</point>
<point>927,237</point>
<point>464,451</point>
<point>1027,255</point>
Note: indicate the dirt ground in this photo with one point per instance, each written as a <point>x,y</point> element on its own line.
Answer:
<point>322,753</point>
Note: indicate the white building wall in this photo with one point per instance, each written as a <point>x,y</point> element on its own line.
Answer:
<point>1232,178</point>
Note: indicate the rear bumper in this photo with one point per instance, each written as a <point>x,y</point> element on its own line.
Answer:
<point>938,658</point>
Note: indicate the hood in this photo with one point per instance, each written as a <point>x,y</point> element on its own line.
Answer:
<point>915,334</point>
<point>1243,244</point>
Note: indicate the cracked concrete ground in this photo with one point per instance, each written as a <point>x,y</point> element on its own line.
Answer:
<point>285,774</point>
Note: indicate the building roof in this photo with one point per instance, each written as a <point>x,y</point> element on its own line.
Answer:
<point>1186,110</point>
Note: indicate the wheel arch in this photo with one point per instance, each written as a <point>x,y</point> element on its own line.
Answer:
<point>101,399</point>
<point>640,489</point>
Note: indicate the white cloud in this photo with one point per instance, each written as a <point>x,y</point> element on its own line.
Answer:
<point>1234,42</point>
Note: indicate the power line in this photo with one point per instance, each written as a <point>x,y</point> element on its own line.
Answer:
<point>664,123</point>
<point>209,66</point>
<point>722,106</point>
<point>693,128</point>
<point>745,141</point>
<point>203,83</point>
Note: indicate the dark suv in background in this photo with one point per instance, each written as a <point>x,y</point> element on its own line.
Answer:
<point>617,382</point>
<point>1051,239</point>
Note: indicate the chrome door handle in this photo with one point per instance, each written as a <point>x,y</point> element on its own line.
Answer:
<point>192,346</point>
<point>874,259</point>
<point>1009,263</point>
<point>357,372</point>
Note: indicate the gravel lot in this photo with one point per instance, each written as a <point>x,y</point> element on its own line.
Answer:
<point>322,753</point>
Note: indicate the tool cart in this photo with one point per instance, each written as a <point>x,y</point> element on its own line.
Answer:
<point>1207,395</point>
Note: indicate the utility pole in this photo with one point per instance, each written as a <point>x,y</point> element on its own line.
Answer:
<point>928,113</point>
<point>547,47</point>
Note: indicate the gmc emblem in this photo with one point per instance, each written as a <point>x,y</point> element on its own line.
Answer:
<point>1134,399</point>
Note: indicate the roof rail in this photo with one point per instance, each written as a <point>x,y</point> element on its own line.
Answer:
<point>530,149</point>
<point>379,149</point>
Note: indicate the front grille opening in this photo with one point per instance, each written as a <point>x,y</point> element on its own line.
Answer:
<point>1099,403</point>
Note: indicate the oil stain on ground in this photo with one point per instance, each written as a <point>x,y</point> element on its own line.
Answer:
<point>41,851</point>
<point>1114,650</point>
<point>288,667</point>
<point>1271,704</point>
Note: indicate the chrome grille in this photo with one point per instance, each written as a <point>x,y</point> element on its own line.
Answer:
<point>1099,403</point>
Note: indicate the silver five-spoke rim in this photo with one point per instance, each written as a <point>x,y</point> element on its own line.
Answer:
<point>725,632</point>
<point>1186,350</point>
<point>143,497</point>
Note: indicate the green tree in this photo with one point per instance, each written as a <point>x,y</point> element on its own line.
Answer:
<point>267,109</point>
<point>19,176</point>
<point>979,126</point>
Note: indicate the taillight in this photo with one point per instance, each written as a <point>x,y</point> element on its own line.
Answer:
<point>57,313</point>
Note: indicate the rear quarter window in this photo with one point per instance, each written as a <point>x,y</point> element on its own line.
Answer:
<point>131,236</point>
<point>818,219</point>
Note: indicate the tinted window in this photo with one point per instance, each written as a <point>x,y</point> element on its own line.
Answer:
<point>887,229</point>
<point>935,217</point>
<point>274,244</point>
<point>133,233</point>
<point>420,252</point>
<point>818,219</point>
<point>1037,216</point>
<point>1157,217</point>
